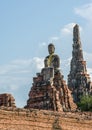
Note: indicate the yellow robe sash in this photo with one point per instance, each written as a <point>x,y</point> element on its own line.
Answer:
<point>50,59</point>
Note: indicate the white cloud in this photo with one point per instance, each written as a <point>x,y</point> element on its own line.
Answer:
<point>42,44</point>
<point>21,62</point>
<point>68,29</point>
<point>85,11</point>
<point>18,72</point>
<point>38,62</point>
<point>87,55</point>
<point>90,72</point>
<point>88,58</point>
<point>53,39</point>
<point>16,76</point>
<point>66,62</point>
<point>21,66</point>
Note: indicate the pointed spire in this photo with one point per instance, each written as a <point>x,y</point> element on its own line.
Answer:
<point>78,79</point>
<point>77,46</point>
<point>76,34</point>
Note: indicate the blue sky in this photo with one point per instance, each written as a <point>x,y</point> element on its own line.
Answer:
<point>26,29</point>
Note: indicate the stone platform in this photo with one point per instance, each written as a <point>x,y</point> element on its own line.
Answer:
<point>50,92</point>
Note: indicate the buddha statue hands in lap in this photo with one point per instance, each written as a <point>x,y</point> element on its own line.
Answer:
<point>52,60</point>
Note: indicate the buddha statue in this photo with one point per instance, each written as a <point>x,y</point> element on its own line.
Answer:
<point>52,60</point>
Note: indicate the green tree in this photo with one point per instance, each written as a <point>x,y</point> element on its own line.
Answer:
<point>85,103</point>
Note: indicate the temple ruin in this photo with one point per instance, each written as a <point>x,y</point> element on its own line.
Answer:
<point>49,90</point>
<point>79,81</point>
<point>7,100</point>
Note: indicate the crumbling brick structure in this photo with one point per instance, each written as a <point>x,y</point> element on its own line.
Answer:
<point>49,90</point>
<point>7,100</point>
<point>79,81</point>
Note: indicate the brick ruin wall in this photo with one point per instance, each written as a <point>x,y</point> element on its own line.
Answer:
<point>33,119</point>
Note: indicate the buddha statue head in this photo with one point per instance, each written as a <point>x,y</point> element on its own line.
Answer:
<point>51,48</point>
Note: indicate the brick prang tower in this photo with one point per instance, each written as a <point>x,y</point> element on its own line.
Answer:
<point>78,80</point>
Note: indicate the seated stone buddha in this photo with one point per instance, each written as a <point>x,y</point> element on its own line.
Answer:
<point>52,60</point>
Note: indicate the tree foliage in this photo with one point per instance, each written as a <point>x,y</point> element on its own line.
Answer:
<point>85,103</point>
